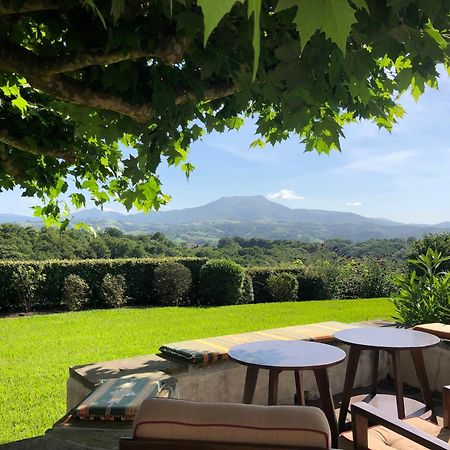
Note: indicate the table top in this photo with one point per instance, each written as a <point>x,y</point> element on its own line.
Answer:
<point>286,355</point>
<point>386,337</point>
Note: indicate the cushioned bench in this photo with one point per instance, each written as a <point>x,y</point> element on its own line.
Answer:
<point>180,424</point>
<point>119,398</point>
<point>216,348</point>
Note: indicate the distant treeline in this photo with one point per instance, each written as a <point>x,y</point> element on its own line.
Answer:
<point>29,243</point>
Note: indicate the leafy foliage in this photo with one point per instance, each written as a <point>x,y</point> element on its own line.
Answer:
<point>93,114</point>
<point>113,291</point>
<point>361,278</point>
<point>438,242</point>
<point>171,282</point>
<point>424,295</point>
<point>247,295</point>
<point>18,242</point>
<point>221,282</point>
<point>283,287</point>
<point>25,281</point>
<point>75,293</point>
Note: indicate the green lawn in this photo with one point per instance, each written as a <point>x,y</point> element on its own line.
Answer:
<point>36,351</point>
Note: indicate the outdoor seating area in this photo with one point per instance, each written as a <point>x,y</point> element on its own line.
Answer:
<point>219,400</point>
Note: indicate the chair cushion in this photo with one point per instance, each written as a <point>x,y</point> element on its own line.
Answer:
<point>118,398</point>
<point>438,329</point>
<point>381,438</point>
<point>213,349</point>
<point>231,423</point>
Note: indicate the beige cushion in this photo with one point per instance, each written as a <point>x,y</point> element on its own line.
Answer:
<point>381,438</point>
<point>160,418</point>
<point>438,329</point>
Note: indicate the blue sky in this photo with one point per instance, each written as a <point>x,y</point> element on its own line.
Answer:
<point>402,176</point>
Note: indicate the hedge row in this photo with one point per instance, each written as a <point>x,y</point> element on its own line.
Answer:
<point>138,275</point>
<point>220,282</point>
<point>310,287</point>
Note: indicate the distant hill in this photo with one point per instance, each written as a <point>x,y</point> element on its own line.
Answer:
<point>250,216</point>
<point>16,218</point>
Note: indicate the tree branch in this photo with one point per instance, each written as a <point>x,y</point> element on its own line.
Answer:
<point>6,138</point>
<point>14,58</point>
<point>8,7</point>
<point>73,91</point>
<point>214,92</point>
<point>171,52</point>
<point>38,72</point>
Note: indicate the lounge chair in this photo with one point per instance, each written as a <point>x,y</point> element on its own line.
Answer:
<point>392,433</point>
<point>182,425</point>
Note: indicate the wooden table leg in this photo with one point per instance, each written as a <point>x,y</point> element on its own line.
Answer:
<point>299,388</point>
<point>326,399</point>
<point>398,383</point>
<point>273,387</point>
<point>352,365</point>
<point>375,359</point>
<point>421,372</point>
<point>250,384</point>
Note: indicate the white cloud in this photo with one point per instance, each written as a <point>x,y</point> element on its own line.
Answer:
<point>353,203</point>
<point>284,194</point>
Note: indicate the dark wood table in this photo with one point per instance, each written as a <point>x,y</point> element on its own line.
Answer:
<point>278,356</point>
<point>393,341</point>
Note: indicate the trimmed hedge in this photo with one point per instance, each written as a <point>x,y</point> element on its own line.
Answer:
<point>260,277</point>
<point>283,287</point>
<point>138,275</point>
<point>75,293</point>
<point>171,282</point>
<point>38,285</point>
<point>221,282</point>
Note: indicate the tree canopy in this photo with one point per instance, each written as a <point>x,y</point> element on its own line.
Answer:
<point>95,94</point>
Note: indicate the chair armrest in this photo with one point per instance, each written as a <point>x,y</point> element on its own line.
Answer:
<point>446,406</point>
<point>362,413</point>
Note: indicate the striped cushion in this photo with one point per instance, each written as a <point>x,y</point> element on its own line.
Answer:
<point>216,348</point>
<point>231,423</point>
<point>118,398</point>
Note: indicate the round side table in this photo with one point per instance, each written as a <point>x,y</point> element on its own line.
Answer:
<point>393,341</point>
<point>278,356</point>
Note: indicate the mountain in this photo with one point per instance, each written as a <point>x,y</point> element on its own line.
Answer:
<point>250,216</point>
<point>443,225</point>
<point>16,218</point>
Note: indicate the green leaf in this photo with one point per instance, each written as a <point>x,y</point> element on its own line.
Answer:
<point>333,17</point>
<point>258,143</point>
<point>85,226</point>
<point>21,104</point>
<point>187,168</point>
<point>213,12</point>
<point>78,200</point>
<point>403,79</point>
<point>358,88</point>
<point>417,86</point>
<point>285,4</point>
<point>254,7</point>
<point>360,4</point>
<point>436,35</point>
